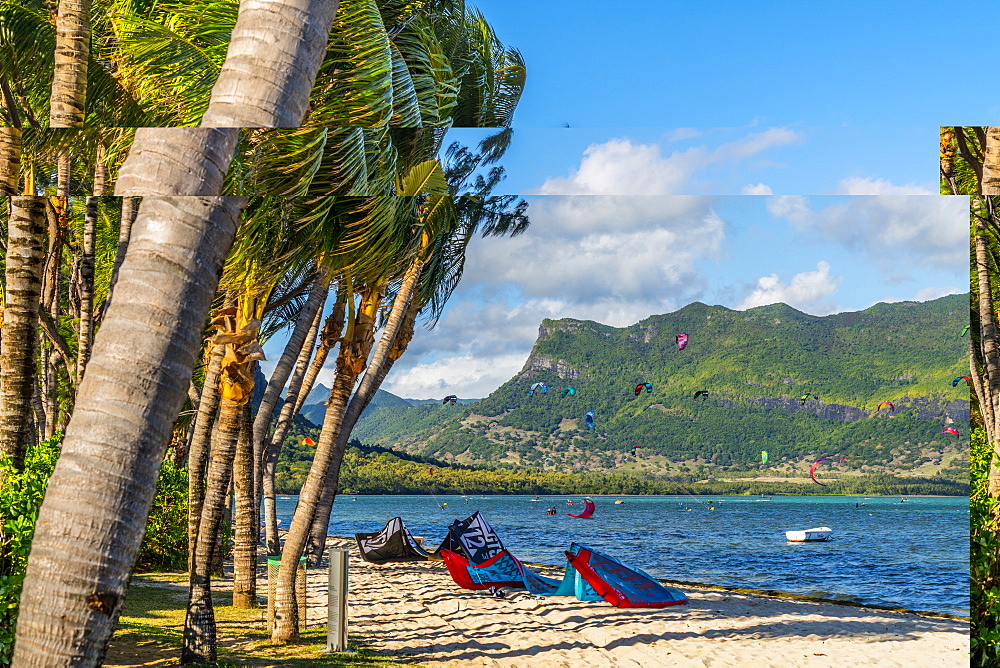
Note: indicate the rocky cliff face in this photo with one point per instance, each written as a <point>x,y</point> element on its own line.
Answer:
<point>561,368</point>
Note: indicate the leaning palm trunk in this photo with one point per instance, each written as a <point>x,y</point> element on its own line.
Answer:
<point>69,82</point>
<point>23,276</point>
<point>279,377</point>
<point>136,381</point>
<point>130,207</point>
<point>87,267</point>
<point>10,160</point>
<point>990,350</point>
<point>270,454</point>
<point>199,623</point>
<point>328,339</point>
<point>991,162</point>
<point>106,476</point>
<point>404,309</point>
<point>237,330</point>
<point>353,353</point>
<point>208,406</point>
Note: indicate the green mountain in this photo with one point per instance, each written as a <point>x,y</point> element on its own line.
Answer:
<point>755,365</point>
<point>314,408</point>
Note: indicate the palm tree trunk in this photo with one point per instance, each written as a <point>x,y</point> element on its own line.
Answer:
<point>246,523</point>
<point>991,162</point>
<point>350,362</point>
<point>282,369</point>
<point>273,448</point>
<point>106,477</point>
<point>87,266</point>
<point>379,366</point>
<point>947,158</point>
<point>990,351</point>
<point>23,280</point>
<point>74,586</point>
<point>130,207</point>
<point>208,406</point>
<point>288,66</point>
<point>69,82</point>
<point>10,160</point>
<point>328,339</point>
<point>199,623</point>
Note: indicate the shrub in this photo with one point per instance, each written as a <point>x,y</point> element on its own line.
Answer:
<point>20,497</point>
<point>164,547</point>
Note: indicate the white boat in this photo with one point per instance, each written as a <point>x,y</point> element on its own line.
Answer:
<point>819,533</point>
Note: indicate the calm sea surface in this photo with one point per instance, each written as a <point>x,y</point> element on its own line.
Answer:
<point>913,554</point>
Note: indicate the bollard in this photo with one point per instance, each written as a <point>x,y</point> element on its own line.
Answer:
<point>336,626</point>
<point>273,564</point>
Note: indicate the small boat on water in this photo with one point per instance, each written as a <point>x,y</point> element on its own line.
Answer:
<point>819,533</point>
<point>619,501</point>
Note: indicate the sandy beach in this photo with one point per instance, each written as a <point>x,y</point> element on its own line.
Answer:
<point>415,612</point>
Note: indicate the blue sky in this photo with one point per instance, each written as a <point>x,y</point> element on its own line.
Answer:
<point>731,153</point>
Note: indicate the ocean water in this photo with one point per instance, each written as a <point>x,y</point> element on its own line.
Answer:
<point>912,554</point>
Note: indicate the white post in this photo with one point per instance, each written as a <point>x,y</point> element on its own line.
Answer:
<point>336,626</point>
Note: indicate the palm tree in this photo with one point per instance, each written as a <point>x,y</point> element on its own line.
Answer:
<point>72,53</point>
<point>298,390</point>
<point>72,595</point>
<point>23,278</point>
<point>237,331</point>
<point>10,159</point>
<point>466,210</point>
<point>991,162</point>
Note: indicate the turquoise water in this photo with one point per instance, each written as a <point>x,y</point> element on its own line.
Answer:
<point>912,554</point>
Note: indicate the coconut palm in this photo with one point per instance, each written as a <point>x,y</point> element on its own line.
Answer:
<point>440,266</point>
<point>991,162</point>
<point>23,274</point>
<point>72,596</point>
<point>72,53</point>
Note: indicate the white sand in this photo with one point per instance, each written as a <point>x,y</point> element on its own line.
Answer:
<point>416,611</point>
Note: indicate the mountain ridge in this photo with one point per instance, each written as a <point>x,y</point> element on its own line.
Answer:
<point>755,364</point>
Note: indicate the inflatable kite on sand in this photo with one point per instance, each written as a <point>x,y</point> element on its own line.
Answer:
<point>589,576</point>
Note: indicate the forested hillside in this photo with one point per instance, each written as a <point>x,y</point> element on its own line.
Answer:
<point>755,366</point>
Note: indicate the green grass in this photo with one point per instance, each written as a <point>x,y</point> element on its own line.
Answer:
<point>152,621</point>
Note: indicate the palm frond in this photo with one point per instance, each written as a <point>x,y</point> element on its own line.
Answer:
<point>344,167</point>
<point>424,178</point>
<point>282,161</point>
<point>354,84</point>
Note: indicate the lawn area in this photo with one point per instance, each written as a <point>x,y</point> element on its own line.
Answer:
<point>151,623</point>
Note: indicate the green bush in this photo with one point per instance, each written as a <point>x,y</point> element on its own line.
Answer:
<point>164,547</point>
<point>20,497</point>
<point>985,545</point>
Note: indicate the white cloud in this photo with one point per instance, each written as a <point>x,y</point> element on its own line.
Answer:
<point>467,376</point>
<point>593,249</point>
<point>791,207</point>
<point>806,291</point>
<point>683,134</point>
<point>621,167</point>
<point>928,294</point>
<point>854,185</point>
<point>899,233</point>
<point>757,189</point>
